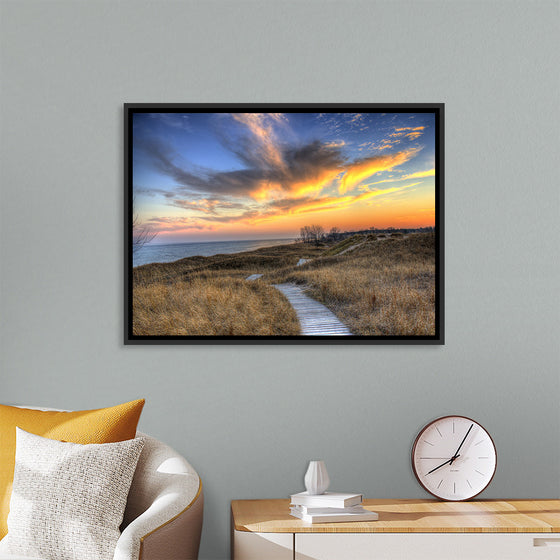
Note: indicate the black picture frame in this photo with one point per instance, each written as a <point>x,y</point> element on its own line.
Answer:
<point>437,109</point>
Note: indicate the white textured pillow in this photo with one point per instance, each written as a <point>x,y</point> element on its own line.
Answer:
<point>68,499</point>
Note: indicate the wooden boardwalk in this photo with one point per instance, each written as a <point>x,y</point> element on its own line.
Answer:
<point>314,318</point>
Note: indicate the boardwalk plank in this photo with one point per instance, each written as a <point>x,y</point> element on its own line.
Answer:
<point>314,318</point>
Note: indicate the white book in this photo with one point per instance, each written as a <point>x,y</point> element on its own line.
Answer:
<point>311,509</point>
<point>364,515</point>
<point>328,499</point>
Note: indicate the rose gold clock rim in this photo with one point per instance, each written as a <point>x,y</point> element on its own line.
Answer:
<point>423,430</point>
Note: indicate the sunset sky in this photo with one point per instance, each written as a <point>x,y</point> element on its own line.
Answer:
<point>233,176</point>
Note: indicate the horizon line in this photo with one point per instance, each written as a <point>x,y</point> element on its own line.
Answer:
<point>284,238</point>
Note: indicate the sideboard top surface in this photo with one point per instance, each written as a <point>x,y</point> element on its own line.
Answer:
<point>409,516</point>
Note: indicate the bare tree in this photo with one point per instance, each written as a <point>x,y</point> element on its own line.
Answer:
<point>334,233</point>
<point>317,233</point>
<point>304,234</point>
<point>141,234</point>
<point>312,234</point>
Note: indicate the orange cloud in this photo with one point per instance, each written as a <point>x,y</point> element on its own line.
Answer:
<point>207,205</point>
<point>410,132</point>
<point>280,182</point>
<point>361,170</point>
<point>164,225</point>
<point>265,190</point>
<point>420,174</point>
<point>323,203</point>
<point>273,190</point>
<point>324,178</point>
<point>386,143</point>
<point>371,194</point>
<point>413,135</point>
<point>335,144</point>
<point>417,175</point>
<point>281,212</point>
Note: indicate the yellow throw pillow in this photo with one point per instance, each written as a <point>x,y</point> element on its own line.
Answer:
<point>104,425</point>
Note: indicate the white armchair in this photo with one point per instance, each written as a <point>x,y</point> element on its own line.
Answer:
<point>163,516</point>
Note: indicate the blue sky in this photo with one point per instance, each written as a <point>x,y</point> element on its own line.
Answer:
<point>214,176</point>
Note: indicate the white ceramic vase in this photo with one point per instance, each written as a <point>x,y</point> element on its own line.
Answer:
<point>316,478</point>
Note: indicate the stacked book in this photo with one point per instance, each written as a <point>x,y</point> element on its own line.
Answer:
<point>330,507</point>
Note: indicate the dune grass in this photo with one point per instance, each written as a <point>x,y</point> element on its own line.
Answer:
<point>211,306</point>
<point>382,287</point>
<point>237,265</point>
<point>343,245</point>
<point>209,296</point>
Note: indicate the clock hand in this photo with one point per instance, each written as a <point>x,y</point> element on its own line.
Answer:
<point>446,462</point>
<point>461,445</point>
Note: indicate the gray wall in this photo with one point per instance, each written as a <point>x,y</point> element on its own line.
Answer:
<point>247,417</point>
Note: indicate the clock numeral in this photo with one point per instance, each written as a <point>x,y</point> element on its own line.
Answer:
<point>438,432</point>
<point>440,483</point>
<point>454,492</point>
<point>429,443</point>
<point>479,442</point>
<point>469,484</point>
<point>479,472</point>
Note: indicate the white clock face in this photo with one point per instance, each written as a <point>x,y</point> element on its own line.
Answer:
<point>454,458</point>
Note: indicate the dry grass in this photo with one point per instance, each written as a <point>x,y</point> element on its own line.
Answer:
<point>343,245</point>
<point>239,265</point>
<point>206,306</point>
<point>209,296</point>
<point>380,288</point>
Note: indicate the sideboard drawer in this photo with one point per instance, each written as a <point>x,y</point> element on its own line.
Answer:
<point>262,546</point>
<point>427,546</point>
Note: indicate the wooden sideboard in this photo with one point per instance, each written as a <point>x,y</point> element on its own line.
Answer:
<point>406,530</point>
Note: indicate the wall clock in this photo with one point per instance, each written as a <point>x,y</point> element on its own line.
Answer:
<point>454,458</point>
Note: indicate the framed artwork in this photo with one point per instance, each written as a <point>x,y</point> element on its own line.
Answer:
<point>284,224</point>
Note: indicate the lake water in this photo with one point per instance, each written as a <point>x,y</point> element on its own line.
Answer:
<point>175,251</point>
